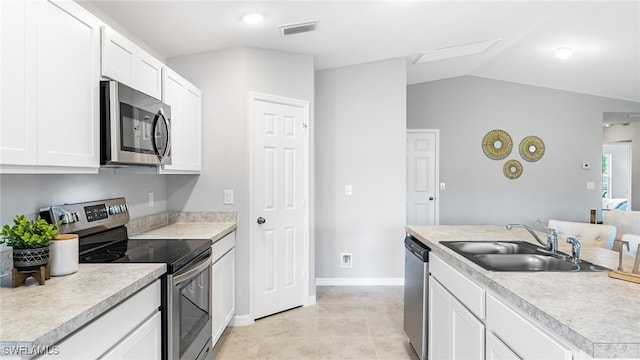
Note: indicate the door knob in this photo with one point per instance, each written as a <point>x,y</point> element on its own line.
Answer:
<point>261,220</point>
<point>431,198</point>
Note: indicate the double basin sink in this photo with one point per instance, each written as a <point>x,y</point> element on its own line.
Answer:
<point>517,256</point>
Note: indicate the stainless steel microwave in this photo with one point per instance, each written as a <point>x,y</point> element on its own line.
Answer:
<point>135,128</point>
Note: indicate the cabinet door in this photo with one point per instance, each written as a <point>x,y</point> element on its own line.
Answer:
<point>467,335</point>
<point>127,63</point>
<point>67,57</point>
<point>192,129</point>
<point>117,56</point>
<point>439,341</point>
<point>497,350</point>
<point>223,293</point>
<point>454,332</point>
<point>186,120</point>
<point>143,343</point>
<point>18,140</point>
<point>147,74</point>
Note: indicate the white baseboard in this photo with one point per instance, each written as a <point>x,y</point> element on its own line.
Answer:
<point>359,281</point>
<point>311,300</point>
<point>241,320</point>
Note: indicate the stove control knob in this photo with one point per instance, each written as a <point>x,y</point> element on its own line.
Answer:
<point>113,210</point>
<point>68,218</point>
<point>123,208</point>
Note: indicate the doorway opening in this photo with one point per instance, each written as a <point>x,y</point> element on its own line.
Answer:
<point>616,175</point>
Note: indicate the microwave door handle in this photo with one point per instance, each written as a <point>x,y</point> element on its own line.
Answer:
<point>162,157</point>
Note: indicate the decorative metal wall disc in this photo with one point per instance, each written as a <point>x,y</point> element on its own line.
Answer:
<point>497,144</point>
<point>531,148</point>
<point>512,169</point>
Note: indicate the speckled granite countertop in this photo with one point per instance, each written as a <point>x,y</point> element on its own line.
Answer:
<point>594,313</point>
<point>190,230</point>
<point>35,315</point>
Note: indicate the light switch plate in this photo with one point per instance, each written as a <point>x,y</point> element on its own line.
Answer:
<point>591,185</point>
<point>228,197</point>
<point>348,190</point>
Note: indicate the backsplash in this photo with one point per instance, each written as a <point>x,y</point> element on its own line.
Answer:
<point>134,227</point>
<point>202,216</point>
<point>140,225</point>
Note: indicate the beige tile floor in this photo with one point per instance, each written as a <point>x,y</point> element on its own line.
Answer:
<point>359,322</point>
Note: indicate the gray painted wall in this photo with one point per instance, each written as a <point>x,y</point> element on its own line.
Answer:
<point>26,194</point>
<point>360,139</point>
<point>466,108</point>
<point>629,133</point>
<point>226,78</point>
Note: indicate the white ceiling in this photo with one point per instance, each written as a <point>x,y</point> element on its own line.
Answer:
<point>604,34</point>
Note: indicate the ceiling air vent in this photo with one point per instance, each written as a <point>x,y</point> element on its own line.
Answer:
<point>298,28</point>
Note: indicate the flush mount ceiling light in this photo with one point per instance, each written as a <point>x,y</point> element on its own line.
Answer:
<point>253,18</point>
<point>456,51</point>
<point>563,52</point>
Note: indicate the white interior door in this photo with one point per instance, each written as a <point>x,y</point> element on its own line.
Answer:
<point>280,225</point>
<point>422,177</point>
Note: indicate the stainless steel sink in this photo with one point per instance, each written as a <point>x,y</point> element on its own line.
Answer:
<point>516,256</point>
<point>525,262</point>
<point>493,247</point>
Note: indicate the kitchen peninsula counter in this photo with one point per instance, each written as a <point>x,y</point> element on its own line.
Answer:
<point>33,317</point>
<point>592,312</point>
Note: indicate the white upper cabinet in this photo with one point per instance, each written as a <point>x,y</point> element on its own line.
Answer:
<point>127,63</point>
<point>186,123</point>
<point>49,101</point>
<point>18,140</point>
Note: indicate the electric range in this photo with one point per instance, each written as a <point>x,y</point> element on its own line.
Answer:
<point>186,287</point>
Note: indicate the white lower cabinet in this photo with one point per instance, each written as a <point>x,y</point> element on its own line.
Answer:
<point>468,322</point>
<point>223,284</point>
<point>142,343</point>
<point>497,350</point>
<point>131,330</point>
<point>521,335</point>
<point>454,332</point>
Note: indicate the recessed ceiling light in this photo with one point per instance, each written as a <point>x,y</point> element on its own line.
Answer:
<point>563,52</point>
<point>456,51</point>
<point>253,18</point>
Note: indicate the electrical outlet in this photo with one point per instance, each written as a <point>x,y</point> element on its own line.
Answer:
<point>150,199</point>
<point>346,260</point>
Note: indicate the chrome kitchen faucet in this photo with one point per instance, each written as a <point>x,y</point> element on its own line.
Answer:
<point>552,236</point>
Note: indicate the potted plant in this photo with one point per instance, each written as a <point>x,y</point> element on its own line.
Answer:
<point>30,241</point>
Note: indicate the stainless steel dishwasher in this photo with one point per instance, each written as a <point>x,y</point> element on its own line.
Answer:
<point>416,291</point>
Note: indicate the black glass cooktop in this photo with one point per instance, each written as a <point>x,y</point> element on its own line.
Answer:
<point>173,252</point>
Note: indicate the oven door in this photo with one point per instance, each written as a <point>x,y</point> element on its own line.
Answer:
<point>189,310</point>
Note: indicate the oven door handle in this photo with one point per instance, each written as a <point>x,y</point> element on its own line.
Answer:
<point>194,271</point>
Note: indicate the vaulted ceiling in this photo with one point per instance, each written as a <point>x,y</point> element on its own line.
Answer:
<point>605,36</point>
